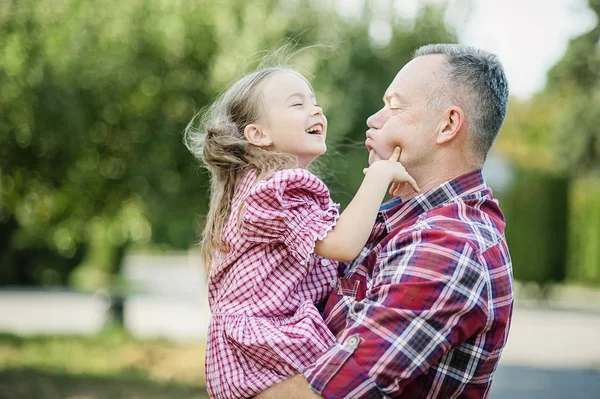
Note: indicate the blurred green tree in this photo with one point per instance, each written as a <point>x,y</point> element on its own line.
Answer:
<point>90,144</point>
<point>576,80</point>
<point>554,136</point>
<point>95,97</point>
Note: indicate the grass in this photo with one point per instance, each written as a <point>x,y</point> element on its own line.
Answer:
<point>111,365</point>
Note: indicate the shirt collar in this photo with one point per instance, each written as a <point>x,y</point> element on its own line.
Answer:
<point>396,212</point>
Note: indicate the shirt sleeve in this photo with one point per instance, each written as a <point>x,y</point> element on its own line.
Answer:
<point>430,294</point>
<point>292,207</point>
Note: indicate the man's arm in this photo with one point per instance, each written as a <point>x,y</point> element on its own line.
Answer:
<point>294,388</point>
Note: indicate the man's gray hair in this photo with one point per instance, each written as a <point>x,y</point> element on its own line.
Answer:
<point>478,76</point>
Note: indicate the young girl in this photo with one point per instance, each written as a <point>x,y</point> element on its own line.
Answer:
<point>273,234</point>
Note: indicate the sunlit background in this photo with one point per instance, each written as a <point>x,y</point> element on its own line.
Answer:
<point>102,294</point>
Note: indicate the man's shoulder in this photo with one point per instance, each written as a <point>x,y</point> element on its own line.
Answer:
<point>477,223</point>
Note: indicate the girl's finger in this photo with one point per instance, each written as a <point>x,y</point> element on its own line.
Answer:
<point>396,154</point>
<point>413,184</point>
<point>365,171</point>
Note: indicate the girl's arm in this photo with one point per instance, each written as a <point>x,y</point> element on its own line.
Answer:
<point>345,241</point>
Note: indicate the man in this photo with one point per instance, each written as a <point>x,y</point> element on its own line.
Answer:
<point>424,311</point>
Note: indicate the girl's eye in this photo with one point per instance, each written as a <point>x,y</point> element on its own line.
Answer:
<point>297,104</point>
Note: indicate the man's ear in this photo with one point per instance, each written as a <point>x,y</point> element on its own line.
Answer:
<point>450,125</point>
<point>255,136</point>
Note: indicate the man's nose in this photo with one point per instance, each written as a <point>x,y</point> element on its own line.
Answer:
<point>377,120</point>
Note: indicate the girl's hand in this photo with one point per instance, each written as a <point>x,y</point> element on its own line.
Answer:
<point>393,171</point>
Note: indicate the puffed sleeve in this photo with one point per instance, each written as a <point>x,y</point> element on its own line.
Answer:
<point>293,207</point>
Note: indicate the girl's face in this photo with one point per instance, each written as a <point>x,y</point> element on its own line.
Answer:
<point>291,118</point>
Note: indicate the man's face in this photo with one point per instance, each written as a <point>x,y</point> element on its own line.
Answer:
<point>405,120</point>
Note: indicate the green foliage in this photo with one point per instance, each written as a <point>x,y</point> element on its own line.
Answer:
<point>584,232</point>
<point>90,141</point>
<point>528,137</point>
<point>557,130</point>
<point>553,136</point>
<point>536,209</point>
<point>579,136</point>
<point>95,97</point>
<point>576,80</point>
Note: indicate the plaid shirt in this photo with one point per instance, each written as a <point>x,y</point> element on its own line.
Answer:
<point>262,292</point>
<point>424,311</point>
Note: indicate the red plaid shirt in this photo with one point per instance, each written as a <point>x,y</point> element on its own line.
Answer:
<point>424,311</point>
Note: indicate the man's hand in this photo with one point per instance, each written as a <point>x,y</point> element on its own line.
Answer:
<point>294,388</point>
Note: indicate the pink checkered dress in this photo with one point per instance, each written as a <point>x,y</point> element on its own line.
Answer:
<point>262,292</point>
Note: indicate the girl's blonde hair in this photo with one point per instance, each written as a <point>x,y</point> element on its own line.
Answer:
<point>216,137</point>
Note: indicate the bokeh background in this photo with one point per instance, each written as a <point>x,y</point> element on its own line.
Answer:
<point>101,291</point>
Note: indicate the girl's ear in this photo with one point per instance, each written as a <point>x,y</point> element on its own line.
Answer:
<point>255,136</point>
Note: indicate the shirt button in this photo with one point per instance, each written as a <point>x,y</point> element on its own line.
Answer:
<point>358,307</point>
<point>324,262</point>
<point>352,342</point>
